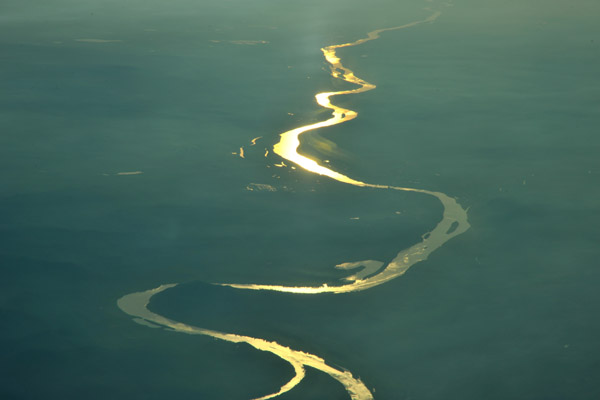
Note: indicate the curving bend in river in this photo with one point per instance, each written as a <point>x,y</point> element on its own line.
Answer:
<point>454,222</point>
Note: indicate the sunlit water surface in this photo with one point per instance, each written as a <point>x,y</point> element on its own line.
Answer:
<point>122,125</point>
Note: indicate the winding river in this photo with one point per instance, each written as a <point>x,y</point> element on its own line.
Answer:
<point>368,273</point>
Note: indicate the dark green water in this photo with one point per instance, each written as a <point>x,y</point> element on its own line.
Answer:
<point>496,104</point>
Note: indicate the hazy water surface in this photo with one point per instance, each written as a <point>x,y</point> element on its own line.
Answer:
<point>118,125</point>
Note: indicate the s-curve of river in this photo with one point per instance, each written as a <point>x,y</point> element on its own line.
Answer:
<point>370,272</point>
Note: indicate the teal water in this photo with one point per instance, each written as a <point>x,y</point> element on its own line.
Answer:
<point>496,104</point>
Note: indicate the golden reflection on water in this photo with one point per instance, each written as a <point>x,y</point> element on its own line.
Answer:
<point>288,144</point>
<point>453,223</point>
<point>287,147</point>
<point>136,305</point>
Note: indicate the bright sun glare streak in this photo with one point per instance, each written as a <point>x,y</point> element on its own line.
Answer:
<point>287,147</point>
